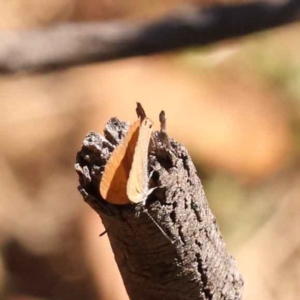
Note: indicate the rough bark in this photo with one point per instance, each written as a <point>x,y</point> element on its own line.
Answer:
<point>192,263</point>
<point>74,44</point>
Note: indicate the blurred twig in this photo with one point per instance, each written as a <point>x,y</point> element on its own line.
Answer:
<point>74,44</point>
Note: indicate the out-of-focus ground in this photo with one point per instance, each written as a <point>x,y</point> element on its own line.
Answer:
<point>235,106</point>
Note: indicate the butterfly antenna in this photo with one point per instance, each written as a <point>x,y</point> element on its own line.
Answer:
<point>157,225</point>
<point>140,111</point>
<point>162,120</point>
<point>163,129</point>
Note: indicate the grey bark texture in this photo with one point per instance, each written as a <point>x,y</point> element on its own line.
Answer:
<point>192,263</point>
<point>74,44</point>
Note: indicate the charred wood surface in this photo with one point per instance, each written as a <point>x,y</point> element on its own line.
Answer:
<point>192,263</point>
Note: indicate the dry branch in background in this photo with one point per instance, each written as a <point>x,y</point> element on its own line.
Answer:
<point>74,44</point>
<point>196,265</point>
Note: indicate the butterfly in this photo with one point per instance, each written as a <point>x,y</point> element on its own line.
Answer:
<point>125,178</point>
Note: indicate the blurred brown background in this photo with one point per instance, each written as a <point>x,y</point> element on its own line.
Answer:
<point>235,106</point>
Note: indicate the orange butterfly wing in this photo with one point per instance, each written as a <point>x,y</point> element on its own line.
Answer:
<point>113,184</point>
<point>138,181</point>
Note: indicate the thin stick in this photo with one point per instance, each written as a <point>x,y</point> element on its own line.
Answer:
<point>75,44</point>
<point>145,210</point>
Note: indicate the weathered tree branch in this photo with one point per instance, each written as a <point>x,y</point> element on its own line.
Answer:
<point>74,44</point>
<point>197,265</point>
